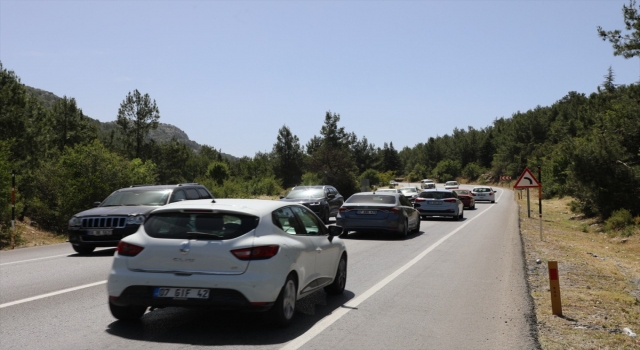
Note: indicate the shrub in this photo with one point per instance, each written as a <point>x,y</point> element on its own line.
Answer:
<point>618,220</point>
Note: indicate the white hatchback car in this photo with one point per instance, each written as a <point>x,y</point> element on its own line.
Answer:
<point>451,185</point>
<point>484,193</point>
<point>242,254</point>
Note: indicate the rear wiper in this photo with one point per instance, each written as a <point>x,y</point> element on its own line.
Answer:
<point>195,235</point>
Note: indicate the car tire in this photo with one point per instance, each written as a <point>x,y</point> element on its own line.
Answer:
<point>283,310</point>
<point>493,201</point>
<point>417,229</point>
<point>405,230</point>
<point>340,280</point>
<point>83,250</point>
<point>461,216</point>
<point>127,313</point>
<point>474,206</point>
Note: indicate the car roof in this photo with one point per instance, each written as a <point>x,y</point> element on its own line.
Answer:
<point>159,187</point>
<point>489,187</point>
<point>257,207</point>
<point>435,190</point>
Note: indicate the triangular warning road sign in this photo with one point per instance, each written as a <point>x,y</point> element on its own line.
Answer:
<point>527,180</point>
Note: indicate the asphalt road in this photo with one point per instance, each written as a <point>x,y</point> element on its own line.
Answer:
<point>453,285</point>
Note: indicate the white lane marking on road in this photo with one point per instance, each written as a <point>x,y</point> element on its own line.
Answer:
<point>355,302</point>
<point>51,294</point>
<point>46,257</point>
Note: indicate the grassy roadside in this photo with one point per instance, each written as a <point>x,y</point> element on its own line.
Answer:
<point>599,278</point>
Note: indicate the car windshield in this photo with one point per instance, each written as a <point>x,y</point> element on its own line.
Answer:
<point>137,197</point>
<point>408,190</point>
<point>305,193</point>
<point>462,192</point>
<point>387,190</point>
<point>202,226</point>
<point>437,195</point>
<point>451,183</point>
<point>372,199</point>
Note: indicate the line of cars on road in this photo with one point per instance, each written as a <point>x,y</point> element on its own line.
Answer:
<point>177,245</point>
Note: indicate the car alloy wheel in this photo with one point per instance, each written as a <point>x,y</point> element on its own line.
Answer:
<point>284,308</point>
<point>340,280</point>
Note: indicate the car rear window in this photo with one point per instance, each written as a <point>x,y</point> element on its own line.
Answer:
<point>372,198</point>
<point>462,192</point>
<point>436,195</point>
<point>202,226</point>
<point>481,190</point>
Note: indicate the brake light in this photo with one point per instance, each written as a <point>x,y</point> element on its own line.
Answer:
<point>420,199</point>
<point>343,209</point>
<point>126,249</point>
<point>450,200</point>
<point>256,253</point>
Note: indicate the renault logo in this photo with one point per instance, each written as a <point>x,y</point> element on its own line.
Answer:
<point>184,248</point>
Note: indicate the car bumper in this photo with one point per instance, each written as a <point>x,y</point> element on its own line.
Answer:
<point>81,237</point>
<point>368,225</point>
<point>247,290</point>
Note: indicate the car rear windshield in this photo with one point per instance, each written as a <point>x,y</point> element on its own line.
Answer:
<point>437,195</point>
<point>372,198</point>
<point>306,193</point>
<point>481,190</point>
<point>462,192</point>
<point>202,226</point>
<point>137,197</point>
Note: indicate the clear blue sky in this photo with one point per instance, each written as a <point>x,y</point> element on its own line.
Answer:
<point>232,73</point>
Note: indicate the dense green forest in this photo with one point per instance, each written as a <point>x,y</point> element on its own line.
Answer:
<point>588,147</point>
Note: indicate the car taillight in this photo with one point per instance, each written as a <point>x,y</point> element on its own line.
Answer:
<point>343,209</point>
<point>256,253</point>
<point>420,199</point>
<point>127,249</point>
<point>393,210</point>
<point>450,200</point>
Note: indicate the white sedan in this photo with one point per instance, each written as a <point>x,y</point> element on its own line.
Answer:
<point>243,254</point>
<point>484,193</point>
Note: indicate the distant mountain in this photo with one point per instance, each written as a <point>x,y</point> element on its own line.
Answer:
<point>162,134</point>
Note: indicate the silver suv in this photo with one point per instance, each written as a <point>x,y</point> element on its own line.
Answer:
<point>123,212</point>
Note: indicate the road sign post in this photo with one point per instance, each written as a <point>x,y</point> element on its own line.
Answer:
<point>527,180</point>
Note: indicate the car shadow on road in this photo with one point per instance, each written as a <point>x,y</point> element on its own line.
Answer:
<point>176,325</point>
<point>95,254</point>
<point>379,236</point>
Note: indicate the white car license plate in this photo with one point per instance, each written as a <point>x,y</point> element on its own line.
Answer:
<point>100,232</point>
<point>368,212</point>
<point>183,293</point>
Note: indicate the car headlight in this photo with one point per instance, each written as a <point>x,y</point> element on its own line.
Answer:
<point>135,220</point>
<point>74,221</point>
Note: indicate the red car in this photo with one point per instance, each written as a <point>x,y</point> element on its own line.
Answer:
<point>466,197</point>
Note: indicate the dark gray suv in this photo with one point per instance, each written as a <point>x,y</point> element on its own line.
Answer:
<point>123,212</point>
<point>323,200</point>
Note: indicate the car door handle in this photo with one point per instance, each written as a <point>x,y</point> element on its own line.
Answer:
<point>319,250</point>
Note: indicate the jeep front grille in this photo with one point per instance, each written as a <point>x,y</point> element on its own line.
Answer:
<point>104,222</point>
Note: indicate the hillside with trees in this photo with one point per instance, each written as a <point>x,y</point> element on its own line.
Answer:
<point>588,147</point>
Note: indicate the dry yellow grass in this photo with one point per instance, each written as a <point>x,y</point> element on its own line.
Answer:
<point>28,235</point>
<point>599,279</point>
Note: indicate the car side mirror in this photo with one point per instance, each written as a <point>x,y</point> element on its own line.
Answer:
<point>331,196</point>
<point>334,231</point>
<point>281,197</point>
<point>96,204</point>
